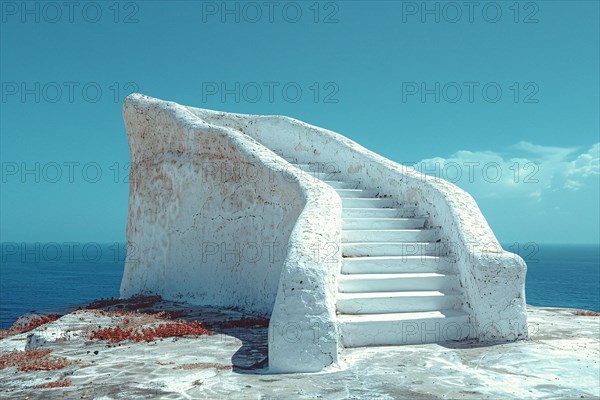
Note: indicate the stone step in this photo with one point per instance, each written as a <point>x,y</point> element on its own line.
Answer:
<point>322,176</point>
<point>327,171</point>
<point>390,235</point>
<point>424,281</point>
<point>396,264</point>
<point>393,249</point>
<point>369,202</point>
<point>398,212</point>
<point>394,302</point>
<point>383,223</point>
<point>318,167</point>
<point>353,193</point>
<point>403,328</point>
<point>341,184</point>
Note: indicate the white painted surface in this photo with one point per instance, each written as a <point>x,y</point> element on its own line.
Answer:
<point>175,210</point>
<point>383,223</point>
<point>404,328</point>
<point>560,361</point>
<point>395,302</point>
<point>197,234</point>
<point>388,282</point>
<point>492,280</point>
<point>396,264</point>
<point>385,308</point>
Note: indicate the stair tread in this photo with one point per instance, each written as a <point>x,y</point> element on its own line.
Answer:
<point>382,295</point>
<point>378,243</point>
<point>380,209</point>
<point>399,258</point>
<point>382,218</point>
<point>407,316</point>
<point>400,207</point>
<point>354,195</point>
<point>309,164</point>
<point>406,275</point>
<point>368,198</point>
<point>391,230</point>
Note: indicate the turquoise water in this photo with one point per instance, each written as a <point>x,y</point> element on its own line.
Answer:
<point>51,278</point>
<point>563,276</point>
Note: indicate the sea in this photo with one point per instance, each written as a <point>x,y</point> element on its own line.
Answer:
<point>58,277</point>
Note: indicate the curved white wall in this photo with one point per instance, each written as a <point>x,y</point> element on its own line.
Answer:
<point>180,211</point>
<point>188,210</point>
<point>493,280</point>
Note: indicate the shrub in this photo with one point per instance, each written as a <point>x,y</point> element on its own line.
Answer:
<point>18,327</point>
<point>32,360</point>
<point>138,334</point>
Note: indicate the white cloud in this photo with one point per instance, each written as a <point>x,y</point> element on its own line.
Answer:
<point>587,164</point>
<point>529,170</point>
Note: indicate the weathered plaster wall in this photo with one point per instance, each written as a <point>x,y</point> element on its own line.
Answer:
<point>215,218</point>
<point>493,279</point>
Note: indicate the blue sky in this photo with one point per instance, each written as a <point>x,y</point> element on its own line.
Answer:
<point>513,88</point>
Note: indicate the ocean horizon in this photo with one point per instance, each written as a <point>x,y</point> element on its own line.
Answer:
<point>47,278</point>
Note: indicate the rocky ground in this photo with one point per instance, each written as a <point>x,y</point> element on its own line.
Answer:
<point>561,360</point>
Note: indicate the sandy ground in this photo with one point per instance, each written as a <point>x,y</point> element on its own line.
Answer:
<point>561,360</point>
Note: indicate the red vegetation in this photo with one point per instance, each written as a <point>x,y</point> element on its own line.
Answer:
<point>587,313</point>
<point>137,334</point>
<point>18,328</point>
<point>56,384</point>
<point>33,360</point>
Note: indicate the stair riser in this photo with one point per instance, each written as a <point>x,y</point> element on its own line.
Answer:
<point>340,184</point>
<point>354,193</point>
<point>323,176</point>
<point>405,332</point>
<point>392,249</point>
<point>395,266</point>
<point>368,203</point>
<point>325,168</point>
<point>375,223</point>
<point>421,235</point>
<point>397,304</point>
<point>355,285</point>
<point>406,212</point>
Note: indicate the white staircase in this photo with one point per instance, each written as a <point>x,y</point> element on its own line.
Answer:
<point>396,285</point>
